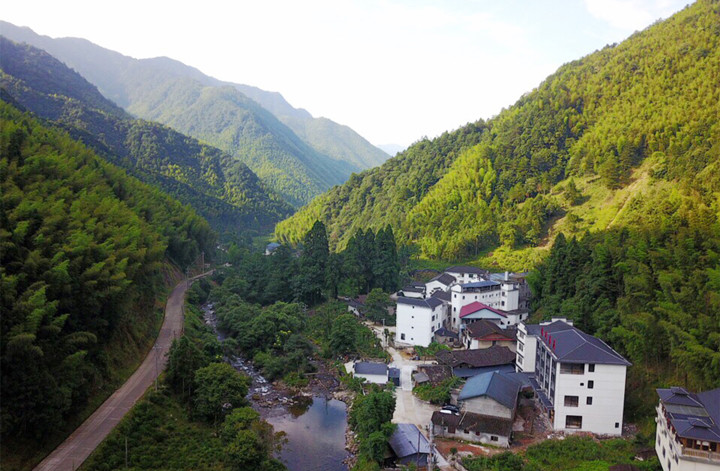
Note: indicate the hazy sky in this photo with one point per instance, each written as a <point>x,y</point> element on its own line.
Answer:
<point>392,70</point>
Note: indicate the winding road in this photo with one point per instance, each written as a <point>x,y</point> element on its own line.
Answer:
<point>77,447</point>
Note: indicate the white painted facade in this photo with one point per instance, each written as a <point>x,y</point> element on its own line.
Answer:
<point>604,388</point>
<point>674,456</point>
<point>525,350</point>
<point>416,324</point>
<point>460,297</point>
<point>435,285</point>
<point>586,397</point>
<point>375,379</point>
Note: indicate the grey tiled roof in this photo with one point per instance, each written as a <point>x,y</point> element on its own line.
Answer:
<point>370,368</point>
<point>694,416</point>
<point>431,303</point>
<point>495,355</point>
<point>572,345</point>
<point>466,269</point>
<point>483,328</point>
<point>445,278</point>
<point>404,441</point>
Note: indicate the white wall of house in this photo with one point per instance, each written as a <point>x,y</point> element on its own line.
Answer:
<point>431,286</point>
<point>606,388</point>
<point>413,294</point>
<point>479,437</point>
<point>375,379</point>
<point>486,406</point>
<point>464,277</point>
<point>670,451</point>
<point>458,299</point>
<point>525,350</point>
<point>509,297</point>
<point>415,325</point>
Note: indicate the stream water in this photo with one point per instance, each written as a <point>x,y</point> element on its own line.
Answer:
<point>315,425</point>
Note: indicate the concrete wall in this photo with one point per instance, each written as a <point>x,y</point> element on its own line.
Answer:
<point>440,431</point>
<point>486,406</point>
<point>375,379</point>
<point>475,344</point>
<point>608,397</point>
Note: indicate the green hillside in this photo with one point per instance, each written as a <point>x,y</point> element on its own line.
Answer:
<point>223,190</point>
<point>632,121</point>
<point>83,249</point>
<point>297,155</point>
<point>383,195</point>
<point>224,117</point>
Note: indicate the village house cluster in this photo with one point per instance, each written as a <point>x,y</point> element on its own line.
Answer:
<point>576,380</point>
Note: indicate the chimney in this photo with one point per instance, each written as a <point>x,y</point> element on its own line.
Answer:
<point>507,275</point>
<point>542,331</point>
<point>554,343</point>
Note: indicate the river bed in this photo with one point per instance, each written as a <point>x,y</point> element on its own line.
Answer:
<point>314,425</point>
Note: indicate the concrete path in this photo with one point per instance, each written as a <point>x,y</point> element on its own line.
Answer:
<point>83,441</point>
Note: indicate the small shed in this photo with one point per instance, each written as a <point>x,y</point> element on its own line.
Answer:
<point>409,445</point>
<point>373,372</point>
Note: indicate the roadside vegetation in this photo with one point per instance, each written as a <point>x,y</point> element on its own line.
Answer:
<point>199,417</point>
<point>573,453</point>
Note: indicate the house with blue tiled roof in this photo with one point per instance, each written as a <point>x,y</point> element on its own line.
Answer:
<point>688,430</point>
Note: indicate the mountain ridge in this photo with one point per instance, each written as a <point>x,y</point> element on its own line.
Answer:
<point>328,155</point>
<point>225,191</point>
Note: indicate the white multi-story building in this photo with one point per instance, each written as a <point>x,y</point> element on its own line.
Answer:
<point>580,380</point>
<point>688,430</point>
<point>418,319</point>
<point>501,298</point>
<point>465,274</point>
<point>442,282</point>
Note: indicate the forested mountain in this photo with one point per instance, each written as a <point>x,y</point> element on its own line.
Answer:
<point>82,250</point>
<point>633,122</point>
<point>264,137</point>
<point>223,190</point>
<point>615,159</point>
<point>383,195</point>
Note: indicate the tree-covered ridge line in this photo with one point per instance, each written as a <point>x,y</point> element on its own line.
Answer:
<point>645,108</point>
<point>297,155</point>
<point>222,189</point>
<point>82,250</point>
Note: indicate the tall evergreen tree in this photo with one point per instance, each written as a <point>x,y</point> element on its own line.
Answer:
<point>314,263</point>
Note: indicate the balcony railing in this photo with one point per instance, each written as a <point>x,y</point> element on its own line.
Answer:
<point>702,454</point>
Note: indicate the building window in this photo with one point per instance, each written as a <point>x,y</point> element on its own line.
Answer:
<point>571,401</point>
<point>520,346</point>
<point>591,368</point>
<point>573,421</point>
<point>572,368</point>
<point>589,400</point>
<point>493,438</point>
<point>617,424</point>
<point>402,336</point>
<point>591,384</point>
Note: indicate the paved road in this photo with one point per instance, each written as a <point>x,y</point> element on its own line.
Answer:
<point>83,441</point>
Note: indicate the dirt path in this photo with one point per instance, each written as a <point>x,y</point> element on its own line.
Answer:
<point>83,441</point>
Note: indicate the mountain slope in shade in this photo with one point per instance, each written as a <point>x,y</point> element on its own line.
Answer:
<point>223,190</point>
<point>603,142</point>
<point>327,154</point>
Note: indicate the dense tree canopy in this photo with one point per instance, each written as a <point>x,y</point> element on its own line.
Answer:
<point>81,247</point>
<point>599,126</point>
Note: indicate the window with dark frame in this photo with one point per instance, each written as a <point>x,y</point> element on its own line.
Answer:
<point>589,400</point>
<point>591,384</point>
<point>572,368</point>
<point>573,421</point>
<point>572,401</point>
<point>591,368</point>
